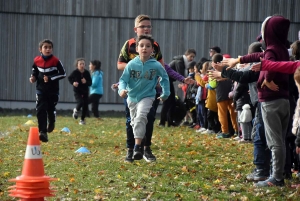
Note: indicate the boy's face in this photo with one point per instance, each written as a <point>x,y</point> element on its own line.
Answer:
<point>81,65</point>
<point>212,52</point>
<point>144,48</point>
<point>190,57</point>
<point>144,27</point>
<point>46,49</point>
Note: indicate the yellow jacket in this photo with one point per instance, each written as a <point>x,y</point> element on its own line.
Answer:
<point>211,100</point>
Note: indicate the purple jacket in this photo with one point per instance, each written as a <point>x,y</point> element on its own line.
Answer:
<point>173,74</point>
<point>275,31</point>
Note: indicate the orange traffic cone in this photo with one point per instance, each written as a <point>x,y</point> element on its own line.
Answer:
<point>32,185</point>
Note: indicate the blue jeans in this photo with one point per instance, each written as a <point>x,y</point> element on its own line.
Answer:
<point>130,141</point>
<point>261,152</point>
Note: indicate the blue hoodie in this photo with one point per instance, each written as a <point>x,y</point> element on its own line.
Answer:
<point>140,79</point>
<point>97,83</point>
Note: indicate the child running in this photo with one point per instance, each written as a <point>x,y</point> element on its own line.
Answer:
<point>81,80</point>
<point>47,70</point>
<point>138,82</point>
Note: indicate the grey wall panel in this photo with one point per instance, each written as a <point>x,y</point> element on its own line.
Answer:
<point>216,10</point>
<point>97,29</point>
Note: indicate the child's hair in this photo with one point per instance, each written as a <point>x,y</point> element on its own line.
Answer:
<point>191,65</point>
<point>77,60</point>
<point>190,51</point>
<point>144,36</point>
<point>255,47</point>
<point>205,67</point>
<point>217,58</point>
<point>97,64</point>
<point>297,76</point>
<point>296,49</point>
<point>41,43</point>
<point>141,18</point>
<point>199,66</point>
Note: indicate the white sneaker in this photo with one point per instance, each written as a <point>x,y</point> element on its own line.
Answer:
<point>237,138</point>
<point>208,132</point>
<point>200,130</point>
<point>81,122</point>
<point>75,114</point>
<point>243,141</point>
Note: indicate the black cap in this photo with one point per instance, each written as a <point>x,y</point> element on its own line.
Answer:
<point>216,48</point>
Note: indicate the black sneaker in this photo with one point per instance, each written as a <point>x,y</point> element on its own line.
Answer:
<point>186,123</point>
<point>51,127</point>
<point>192,125</point>
<point>43,137</point>
<point>129,156</point>
<point>148,156</point>
<point>137,153</point>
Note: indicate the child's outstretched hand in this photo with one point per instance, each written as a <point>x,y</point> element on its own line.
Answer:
<point>163,98</point>
<point>123,93</point>
<point>189,80</point>
<point>75,84</point>
<point>83,80</point>
<point>298,150</point>
<point>271,85</point>
<point>32,79</point>
<point>45,78</point>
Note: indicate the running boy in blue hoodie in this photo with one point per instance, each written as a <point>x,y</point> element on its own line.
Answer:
<point>138,82</point>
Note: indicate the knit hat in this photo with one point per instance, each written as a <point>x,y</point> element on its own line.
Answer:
<point>226,56</point>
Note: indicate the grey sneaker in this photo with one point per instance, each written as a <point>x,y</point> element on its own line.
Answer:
<point>75,113</point>
<point>258,175</point>
<point>137,153</point>
<point>82,122</point>
<point>148,156</point>
<point>129,156</point>
<point>270,182</point>
<point>43,137</point>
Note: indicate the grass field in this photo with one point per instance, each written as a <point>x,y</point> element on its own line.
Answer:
<point>189,166</point>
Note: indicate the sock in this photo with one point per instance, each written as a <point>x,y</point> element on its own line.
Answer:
<point>137,146</point>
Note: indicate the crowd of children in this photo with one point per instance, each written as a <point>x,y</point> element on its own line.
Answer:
<point>254,101</point>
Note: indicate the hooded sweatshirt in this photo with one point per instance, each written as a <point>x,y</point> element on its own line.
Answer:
<point>274,32</point>
<point>140,79</point>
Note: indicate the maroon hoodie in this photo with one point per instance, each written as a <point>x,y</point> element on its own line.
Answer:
<point>275,32</point>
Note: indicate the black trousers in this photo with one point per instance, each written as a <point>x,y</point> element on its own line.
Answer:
<point>94,100</point>
<point>82,102</point>
<point>45,108</point>
<point>168,107</point>
<point>213,121</point>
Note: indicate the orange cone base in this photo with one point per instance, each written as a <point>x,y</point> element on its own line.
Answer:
<point>32,199</point>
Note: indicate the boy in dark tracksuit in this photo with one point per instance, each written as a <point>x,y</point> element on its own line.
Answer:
<point>81,80</point>
<point>47,70</point>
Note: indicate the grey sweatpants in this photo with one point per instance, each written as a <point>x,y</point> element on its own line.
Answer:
<point>246,128</point>
<point>276,115</point>
<point>138,115</point>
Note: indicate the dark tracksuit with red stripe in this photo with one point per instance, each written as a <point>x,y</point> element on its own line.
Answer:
<point>47,92</point>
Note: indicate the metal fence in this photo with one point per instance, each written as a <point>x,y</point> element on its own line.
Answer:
<point>97,29</point>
